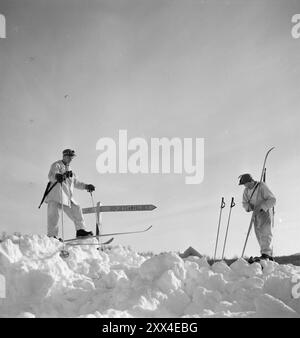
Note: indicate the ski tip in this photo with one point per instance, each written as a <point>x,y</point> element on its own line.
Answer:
<point>109,241</point>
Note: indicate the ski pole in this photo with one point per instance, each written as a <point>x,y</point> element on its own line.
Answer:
<point>225,240</point>
<point>97,221</point>
<point>64,253</point>
<point>220,216</point>
<point>253,213</point>
<point>62,213</point>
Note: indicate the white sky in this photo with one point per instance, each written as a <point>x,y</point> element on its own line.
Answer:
<point>225,71</point>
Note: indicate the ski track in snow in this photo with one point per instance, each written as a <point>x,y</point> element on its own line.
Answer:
<point>121,283</point>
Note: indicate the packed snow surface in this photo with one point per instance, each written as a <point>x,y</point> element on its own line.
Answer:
<point>119,282</point>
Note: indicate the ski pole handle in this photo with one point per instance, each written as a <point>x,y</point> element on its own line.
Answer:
<point>232,203</point>
<point>223,203</point>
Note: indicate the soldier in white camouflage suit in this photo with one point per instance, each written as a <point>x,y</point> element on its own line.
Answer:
<point>259,194</point>
<point>61,172</point>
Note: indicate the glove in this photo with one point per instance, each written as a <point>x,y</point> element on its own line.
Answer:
<point>59,178</point>
<point>250,207</point>
<point>258,209</point>
<point>90,187</point>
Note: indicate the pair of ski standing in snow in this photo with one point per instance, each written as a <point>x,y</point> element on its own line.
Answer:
<point>257,198</point>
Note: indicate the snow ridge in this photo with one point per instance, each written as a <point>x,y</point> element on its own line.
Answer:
<point>121,283</point>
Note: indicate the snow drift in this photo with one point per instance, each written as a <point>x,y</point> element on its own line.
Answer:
<point>121,283</point>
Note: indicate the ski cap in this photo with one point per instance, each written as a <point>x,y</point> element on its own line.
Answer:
<point>69,152</point>
<point>245,178</point>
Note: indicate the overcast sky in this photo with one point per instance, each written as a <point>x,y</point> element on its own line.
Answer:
<point>73,72</point>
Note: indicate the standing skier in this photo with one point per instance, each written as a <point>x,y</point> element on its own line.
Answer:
<point>260,194</point>
<point>62,177</point>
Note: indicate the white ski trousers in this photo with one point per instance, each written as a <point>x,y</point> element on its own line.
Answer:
<point>263,230</point>
<point>74,212</point>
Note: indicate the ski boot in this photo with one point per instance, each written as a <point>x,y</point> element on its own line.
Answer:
<point>59,239</point>
<point>252,260</point>
<point>265,256</point>
<point>83,234</point>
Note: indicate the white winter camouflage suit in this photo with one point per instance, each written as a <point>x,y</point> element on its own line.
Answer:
<point>71,208</point>
<point>263,220</point>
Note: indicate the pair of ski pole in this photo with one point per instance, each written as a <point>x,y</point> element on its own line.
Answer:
<point>232,204</point>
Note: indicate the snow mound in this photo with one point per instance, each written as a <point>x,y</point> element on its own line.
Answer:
<point>118,282</point>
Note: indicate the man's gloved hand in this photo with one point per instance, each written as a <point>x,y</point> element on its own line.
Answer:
<point>90,187</point>
<point>59,177</point>
<point>258,209</point>
<point>250,207</point>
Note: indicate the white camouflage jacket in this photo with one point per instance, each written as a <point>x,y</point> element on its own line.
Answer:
<point>67,185</point>
<point>266,200</point>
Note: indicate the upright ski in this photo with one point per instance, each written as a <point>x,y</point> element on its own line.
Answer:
<point>259,185</point>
